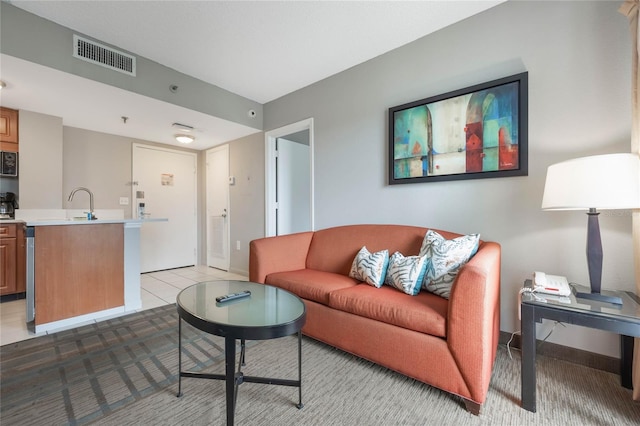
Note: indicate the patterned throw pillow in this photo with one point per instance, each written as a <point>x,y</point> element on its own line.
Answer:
<point>406,273</point>
<point>370,267</point>
<point>444,260</point>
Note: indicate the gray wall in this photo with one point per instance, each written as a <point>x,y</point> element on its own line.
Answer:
<point>246,163</point>
<point>100,162</point>
<point>578,58</point>
<point>40,173</point>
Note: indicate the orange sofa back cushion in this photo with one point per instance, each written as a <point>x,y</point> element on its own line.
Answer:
<point>333,249</point>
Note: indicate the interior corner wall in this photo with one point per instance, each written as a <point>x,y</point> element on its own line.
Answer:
<point>246,198</point>
<point>578,56</point>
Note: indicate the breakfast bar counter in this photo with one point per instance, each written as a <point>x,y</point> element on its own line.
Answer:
<point>80,270</point>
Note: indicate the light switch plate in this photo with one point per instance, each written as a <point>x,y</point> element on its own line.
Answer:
<point>124,201</point>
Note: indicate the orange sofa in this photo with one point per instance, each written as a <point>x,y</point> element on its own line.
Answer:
<point>450,344</point>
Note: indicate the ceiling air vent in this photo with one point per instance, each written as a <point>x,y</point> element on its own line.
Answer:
<point>99,54</point>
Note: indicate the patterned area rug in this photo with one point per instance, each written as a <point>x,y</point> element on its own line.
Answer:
<point>124,372</point>
<point>86,373</point>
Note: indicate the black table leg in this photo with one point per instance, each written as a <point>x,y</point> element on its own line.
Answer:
<point>242,352</point>
<point>528,364</point>
<point>179,358</point>
<point>300,404</point>
<point>626,361</point>
<point>230,361</point>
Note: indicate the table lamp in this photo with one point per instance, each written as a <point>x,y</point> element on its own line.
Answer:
<point>600,182</point>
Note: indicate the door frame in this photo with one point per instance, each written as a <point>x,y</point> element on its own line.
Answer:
<point>227,221</point>
<point>270,172</point>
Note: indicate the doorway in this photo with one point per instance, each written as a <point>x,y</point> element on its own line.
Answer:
<point>289,179</point>
<point>164,180</point>
<point>218,219</point>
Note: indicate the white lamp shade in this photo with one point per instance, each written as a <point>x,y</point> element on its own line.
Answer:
<point>604,182</point>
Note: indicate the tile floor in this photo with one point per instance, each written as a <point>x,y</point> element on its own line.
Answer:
<point>158,288</point>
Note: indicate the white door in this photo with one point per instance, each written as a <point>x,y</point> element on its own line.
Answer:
<point>280,174</point>
<point>218,219</point>
<point>293,183</point>
<point>165,181</point>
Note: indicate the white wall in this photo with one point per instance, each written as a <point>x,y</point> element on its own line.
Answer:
<point>577,55</point>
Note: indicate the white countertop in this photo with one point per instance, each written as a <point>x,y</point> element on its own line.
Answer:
<point>51,217</point>
<point>50,222</point>
<point>7,221</point>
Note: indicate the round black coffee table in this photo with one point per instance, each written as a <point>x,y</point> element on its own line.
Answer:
<point>268,313</point>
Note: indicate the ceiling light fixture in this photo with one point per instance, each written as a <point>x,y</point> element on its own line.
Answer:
<point>185,138</point>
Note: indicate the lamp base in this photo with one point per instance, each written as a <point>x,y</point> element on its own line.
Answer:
<point>604,296</point>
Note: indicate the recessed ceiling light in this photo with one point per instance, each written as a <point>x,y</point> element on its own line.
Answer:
<point>185,138</point>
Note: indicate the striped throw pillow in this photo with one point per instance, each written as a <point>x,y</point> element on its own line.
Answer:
<point>406,273</point>
<point>370,267</point>
<point>444,260</point>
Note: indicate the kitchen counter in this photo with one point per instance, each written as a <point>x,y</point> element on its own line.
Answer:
<point>51,222</point>
<point>43,217</point>
<point>80,270</point>
<point>11,221</point>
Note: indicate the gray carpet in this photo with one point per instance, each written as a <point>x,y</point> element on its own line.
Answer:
<point>124,371</point>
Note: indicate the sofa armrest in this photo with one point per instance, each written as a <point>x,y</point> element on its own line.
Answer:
<point>278,254</point>
<point>473,325</point>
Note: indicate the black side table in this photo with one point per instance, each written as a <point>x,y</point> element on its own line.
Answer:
<point>268,313</point>
<point>621,319</point>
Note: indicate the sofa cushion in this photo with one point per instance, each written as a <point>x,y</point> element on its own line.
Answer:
<point>425,312</point>
<point>370,268</point>
<point>406,273</point>
<point>333,249</point>
<point>310,284</point>
<point>444,260</point>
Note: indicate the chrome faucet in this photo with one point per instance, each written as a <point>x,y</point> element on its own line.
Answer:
<point>81,188</point>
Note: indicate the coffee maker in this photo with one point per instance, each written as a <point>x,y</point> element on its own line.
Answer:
<point>8,205</point>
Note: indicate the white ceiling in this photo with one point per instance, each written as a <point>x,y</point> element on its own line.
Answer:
<point>261,50</point>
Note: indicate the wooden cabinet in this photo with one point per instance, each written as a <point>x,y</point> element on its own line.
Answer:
<point>79,270</point>
<point>8,129</point>
<point>8,259</point>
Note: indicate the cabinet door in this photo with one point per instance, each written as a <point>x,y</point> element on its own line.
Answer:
<point>7,265</point>
<point>8,129</point>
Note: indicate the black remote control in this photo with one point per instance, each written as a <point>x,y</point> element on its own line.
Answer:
<point>233,296</point>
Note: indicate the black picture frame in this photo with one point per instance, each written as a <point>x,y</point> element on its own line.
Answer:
<point>472,133</point>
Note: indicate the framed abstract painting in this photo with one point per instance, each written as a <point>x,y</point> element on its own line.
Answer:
<point>475,132</point>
